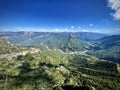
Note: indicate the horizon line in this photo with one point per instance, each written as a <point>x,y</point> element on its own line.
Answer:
<point>62,32</point>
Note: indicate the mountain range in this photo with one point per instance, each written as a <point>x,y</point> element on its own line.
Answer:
<point>100,45</point>
<point>59,61</point>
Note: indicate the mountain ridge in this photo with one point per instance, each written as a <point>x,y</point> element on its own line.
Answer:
<point>54,69</point>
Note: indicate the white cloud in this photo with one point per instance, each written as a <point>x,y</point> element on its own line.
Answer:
<point>79,27</point>
<point>115,5</point>
<point>66,29</point>
<point>117,15</point>
<point>90,25</point>
<point>56,29</point>
<point>72,27</point>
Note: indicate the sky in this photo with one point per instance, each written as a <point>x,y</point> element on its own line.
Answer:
<point>101,16</point>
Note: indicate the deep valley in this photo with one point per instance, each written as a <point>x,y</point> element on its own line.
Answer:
<point>59,61</point>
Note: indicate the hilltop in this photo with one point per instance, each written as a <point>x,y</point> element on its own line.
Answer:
<point>7,47</point>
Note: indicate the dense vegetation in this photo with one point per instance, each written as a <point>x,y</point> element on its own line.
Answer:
<point>65,41</point>
<point>7,47</point>
<point>107,48</point>
<point>52,70</point>
<point>99,45</point>
<point>66,61</point>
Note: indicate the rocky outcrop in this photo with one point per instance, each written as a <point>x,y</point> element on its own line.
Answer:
<point>11,55</point>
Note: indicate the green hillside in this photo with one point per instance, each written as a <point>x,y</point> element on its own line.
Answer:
<point>63,41</point>
<point>53,70</point>
<point>107,48</point>
<point>65,61</point>
<point>7,47</point>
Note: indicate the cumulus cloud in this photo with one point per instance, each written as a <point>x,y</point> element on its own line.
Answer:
<point>79,27</point>
<point>90,25</point>
<point>115,5</point>
<point>72,27</point>
<point>56,29</point>
<point>66,30</point>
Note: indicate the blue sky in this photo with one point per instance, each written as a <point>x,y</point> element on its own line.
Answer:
<point>60,15</point>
